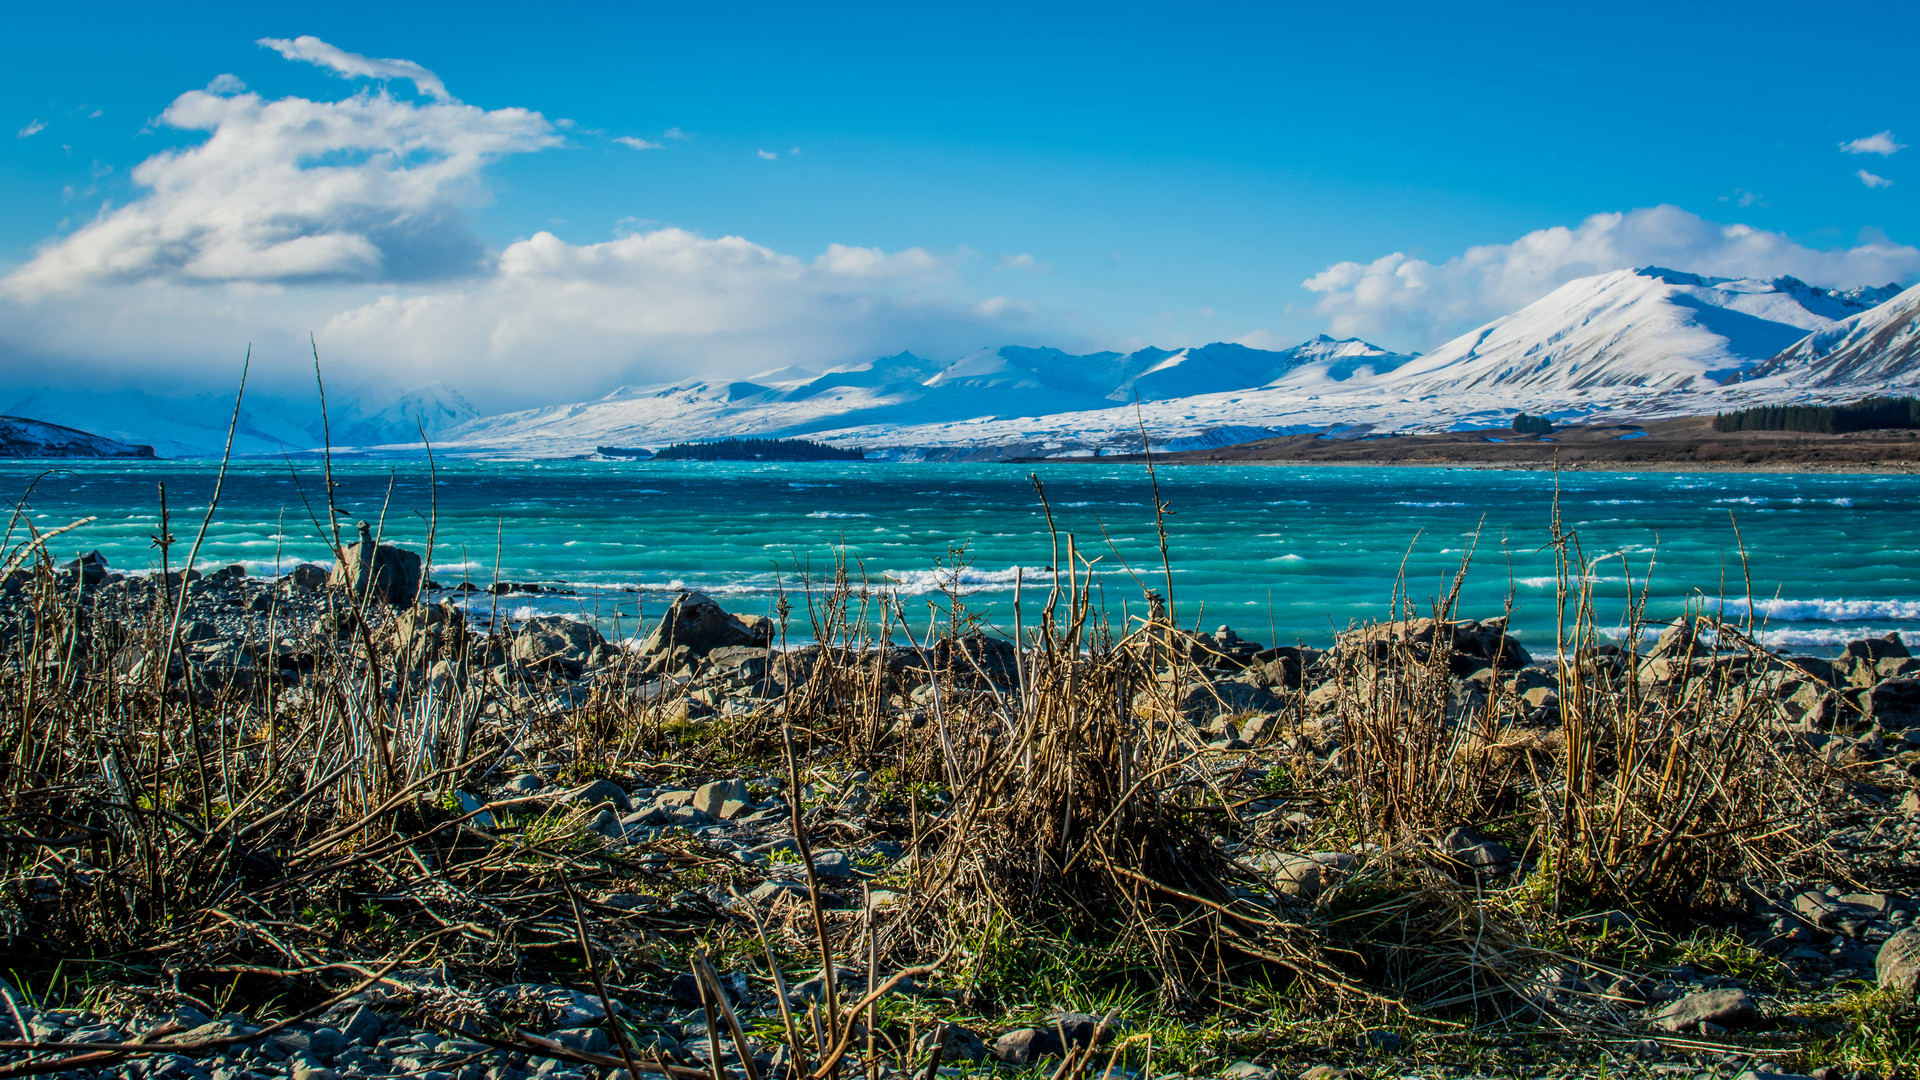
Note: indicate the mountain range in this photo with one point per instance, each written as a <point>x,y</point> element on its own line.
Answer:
<point>1624,344</point>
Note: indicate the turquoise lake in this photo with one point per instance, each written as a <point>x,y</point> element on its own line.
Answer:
<point>1287,554</point>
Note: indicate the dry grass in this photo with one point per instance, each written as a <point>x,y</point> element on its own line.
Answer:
<point>224,838</point>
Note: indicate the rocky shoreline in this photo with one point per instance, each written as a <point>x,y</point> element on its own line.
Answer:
<point>643,777</point>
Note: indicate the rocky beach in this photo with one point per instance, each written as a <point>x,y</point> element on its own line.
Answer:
<point>340,823</point>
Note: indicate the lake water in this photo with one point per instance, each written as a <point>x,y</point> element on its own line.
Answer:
<point>1287,554</point>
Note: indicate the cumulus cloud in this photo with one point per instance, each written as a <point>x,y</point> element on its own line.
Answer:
<point>1410,302</point>
<point>637,144</point>
<point>226,84</point>
<point>366,189</point>
<point>33,128</point>
<point>674,133</point>
<point>1881,144</point>
<point>1873,181</point>
<point>347,218</point>
<point>768,155</point>
<point>354,66</point>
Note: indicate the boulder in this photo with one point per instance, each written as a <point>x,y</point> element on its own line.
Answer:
<point>1874,650</point>
<point>308,576</point>
<point>1027,1046</point>
<point>1898,966</point>
<point>962,1044</point>
<point>722,796</point>
<point>382,573</point>
<point>1895,703</point>
<point>1728,1008</point>
<point>92,568</point>
<point>555,642</point>
<point>430,632</point>
<point>1228,697</point>
<point>699,625</point>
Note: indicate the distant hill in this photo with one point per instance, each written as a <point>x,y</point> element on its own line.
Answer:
<point>1874,349</point>
<point>1650,328</point>
<point>24,438</point>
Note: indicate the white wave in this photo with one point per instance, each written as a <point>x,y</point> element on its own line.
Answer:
<point>836,514</point>
<point>965,580</point>
<point>1828,610</point>
<point>1429,504</point>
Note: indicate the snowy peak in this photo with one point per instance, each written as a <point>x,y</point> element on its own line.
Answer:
<point>1651,328</point>
<point>1873,350</point>
<point>24,438</point>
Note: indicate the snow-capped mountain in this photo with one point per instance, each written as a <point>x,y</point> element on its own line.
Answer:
<point>1877,349</point>
<point>23,438</point>
<point>1012,385</point>
<point>180,424</point>
<point>1629,343</point>
<point>1652,328</point>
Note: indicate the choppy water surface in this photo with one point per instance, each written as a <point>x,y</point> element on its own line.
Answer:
<point>1278,553</point>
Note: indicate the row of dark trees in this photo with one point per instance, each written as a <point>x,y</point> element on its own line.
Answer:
<point>1871,414</point>
<point>759,450</point>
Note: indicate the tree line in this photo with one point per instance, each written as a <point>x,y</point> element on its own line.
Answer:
<point>1870,414</point>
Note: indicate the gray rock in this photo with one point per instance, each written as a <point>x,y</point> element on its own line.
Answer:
<point>363,1026</point>
<point>1466,845</point>
<point>1898,965</point>
<point>555,642</point>
<point>1726,1008</point>
<point>597,793</point>
<point>712,798</point>
<point>963,1044</point>
<point>833,864</point>
<point>1247,1070</point>
<point>527,783</point>
<point>699,625</point>
<point>383,573</point>
<point>770,891</point>
<point>592,1040</point>
<point>1027,1045</point>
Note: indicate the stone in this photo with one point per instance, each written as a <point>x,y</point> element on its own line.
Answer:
<point>527,783</point>
<point>712,798</point>
<point>1227,697</point>
<point>699,625</point>
<point>1326,1072</point>
<point>833,864</point>
<point>1729,1008</point>
<point>92,568</point>
<point>1466,845</point>
<point>1874,650</point>
<point>1895,703</point>
<point>1247,1070</point>
<point>771,891</point>
<point>1027,1046</point>
<point>592,1040</point>
<point>962,1044</point>
<point>597,793</point>
<point>556,643</point>
<point>363,1026</point>
<point>383,573</point>
<point>309,576</point>
<point>1897,967</point>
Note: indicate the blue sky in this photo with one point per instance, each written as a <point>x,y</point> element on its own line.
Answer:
<point>1080,175</point>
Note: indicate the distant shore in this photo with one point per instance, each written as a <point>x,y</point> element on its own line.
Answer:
<point>1687,444</point>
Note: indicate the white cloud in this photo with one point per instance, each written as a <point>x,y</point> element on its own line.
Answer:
<point>674,133</point>
<point>226,84</point>
<point>1881,144</point>
<point>768,155</point>
<point>1409,302</point>
<point>1024,262</point>
<point>1873,181</point>
<point>794,150</point>
<point>369,188</point>
<point>637,144</point>
<point>33,128</point>
<point>348,218</point>
<point>354,66</point>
